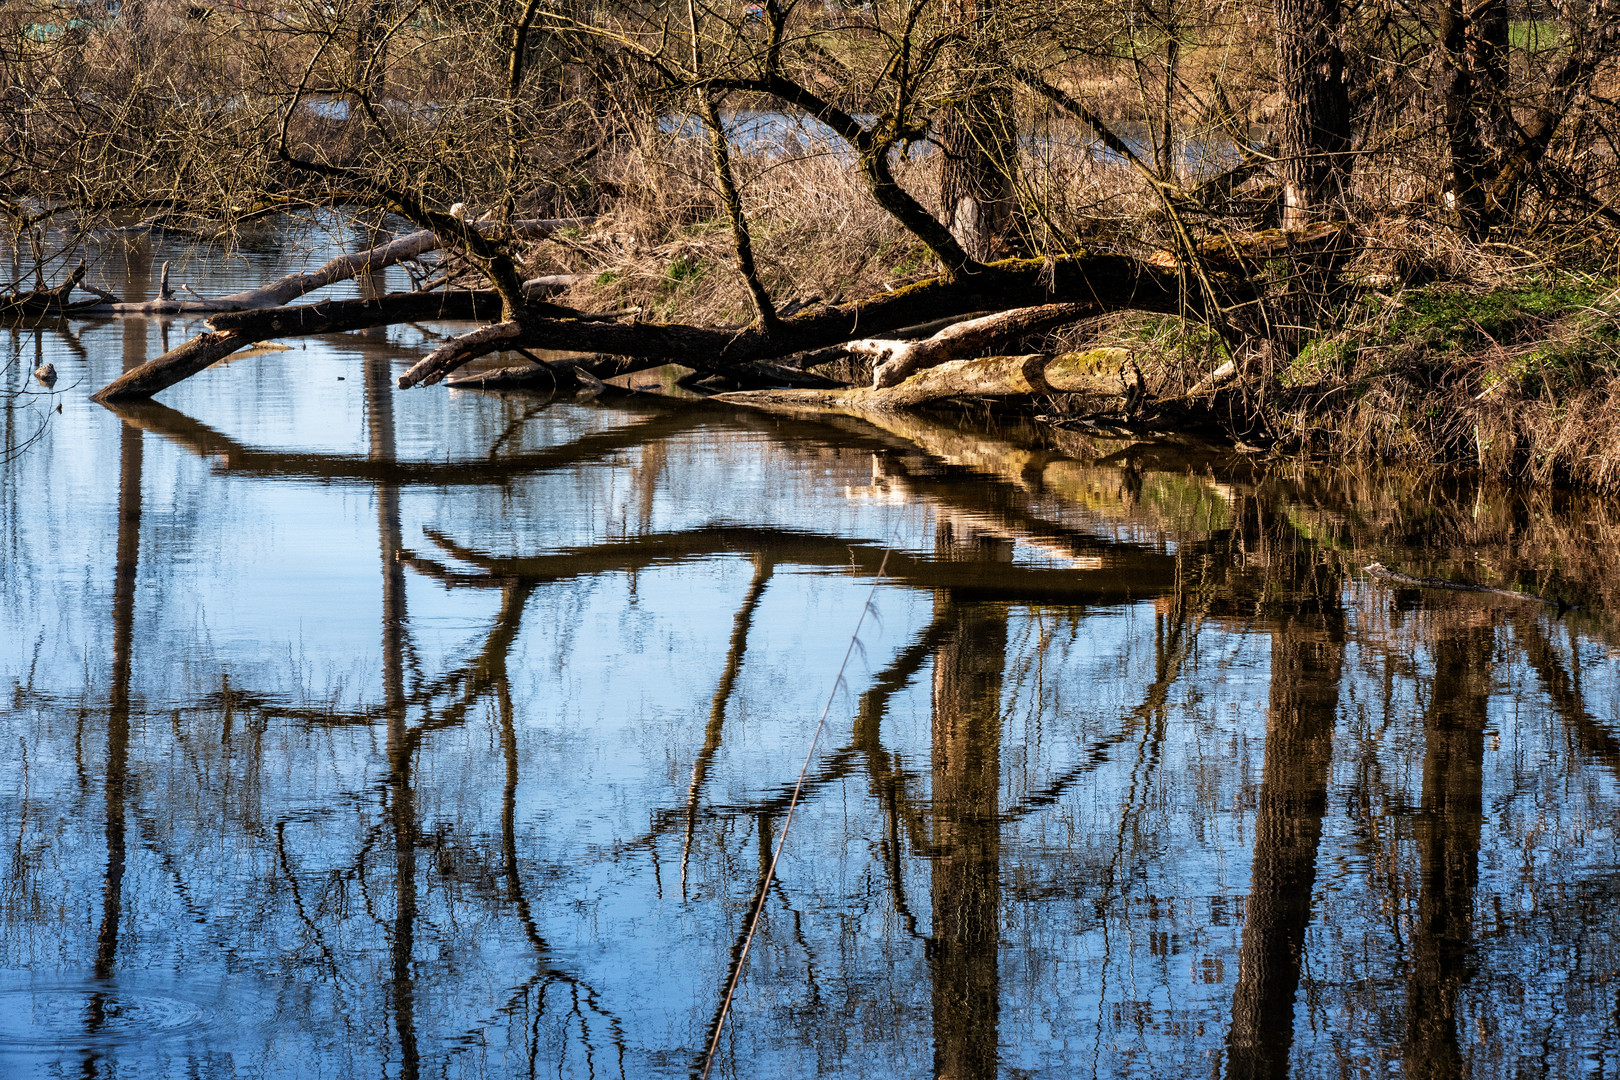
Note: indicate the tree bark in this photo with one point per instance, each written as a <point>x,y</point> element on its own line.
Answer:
<point>978,143</point>
<point>238,330</point>
<point>1473,58</point>
<point>1107,373</point>
<point>1314,121</point>
<point>1101,283</point>
<point>895,360</point>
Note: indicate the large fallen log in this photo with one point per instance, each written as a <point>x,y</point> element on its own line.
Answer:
<point>1092,284</point>
<point>341,268</point>
<point>1103,373</point>
<point>1088,285</point>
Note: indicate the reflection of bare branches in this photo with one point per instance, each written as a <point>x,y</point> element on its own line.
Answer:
<point>545,971</point>
<point>717,709</point>
<point>514,427</point>
<point>1132,571</point>
<point>232,456</point>
<point>285,862</point>
<point>739,950</point>
<point>1175,644</point>
<point>1596,741</point>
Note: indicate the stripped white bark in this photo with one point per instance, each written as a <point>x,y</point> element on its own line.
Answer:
<point>895,360</point>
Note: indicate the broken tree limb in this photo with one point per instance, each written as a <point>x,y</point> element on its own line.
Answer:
<point>1107,373</point>
<point>896,360</point>
<point>238,330</point>
<point>513,335</point>
<point>1096,284</point>
<point>42,303</point>
<point>1092,284</point>
<point>341,268</point>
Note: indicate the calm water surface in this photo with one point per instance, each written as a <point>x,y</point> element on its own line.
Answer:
<point>359,733</point>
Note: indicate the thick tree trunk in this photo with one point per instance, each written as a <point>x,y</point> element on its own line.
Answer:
<point>978,140</point>
<point>1473,58</point>
<point>1314,121</point>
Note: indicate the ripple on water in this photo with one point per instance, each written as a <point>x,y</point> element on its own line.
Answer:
<point>43,1015</point>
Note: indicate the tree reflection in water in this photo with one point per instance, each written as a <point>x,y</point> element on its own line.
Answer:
<point>1141,780</point>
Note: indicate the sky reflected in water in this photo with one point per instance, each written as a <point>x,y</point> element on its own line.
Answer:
<point>355,732</point>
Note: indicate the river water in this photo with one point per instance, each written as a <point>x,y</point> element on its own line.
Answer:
<point>351,732</point>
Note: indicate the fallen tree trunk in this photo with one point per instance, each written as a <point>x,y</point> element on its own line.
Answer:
<point>342,268</point>
<point>1105,373</point>
<point>238,330</point>
<point>1085,286</point>
<point>1089,285</point>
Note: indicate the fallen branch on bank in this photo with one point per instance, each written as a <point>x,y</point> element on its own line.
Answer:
<point>896,360</point>
<point>1089,285</point>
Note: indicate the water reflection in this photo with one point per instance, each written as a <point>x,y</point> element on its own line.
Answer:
<point>1138,777</point>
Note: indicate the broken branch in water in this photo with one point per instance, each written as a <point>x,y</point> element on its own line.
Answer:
<point>43,302</point>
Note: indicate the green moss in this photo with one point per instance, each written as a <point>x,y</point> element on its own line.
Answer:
<point>1447,318</point>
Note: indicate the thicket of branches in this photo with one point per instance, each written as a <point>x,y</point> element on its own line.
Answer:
<point>820,151</point>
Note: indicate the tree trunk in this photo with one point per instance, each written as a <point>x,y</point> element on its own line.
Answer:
<point>1473,58</point>
<point>1314,121</point>
<point>979,145</point>
<point>1105,373</point>
<point>238,330</point>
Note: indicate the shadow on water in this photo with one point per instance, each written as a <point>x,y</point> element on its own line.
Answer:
<point>1141,776</point>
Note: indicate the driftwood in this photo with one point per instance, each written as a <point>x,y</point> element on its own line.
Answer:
<point>341,268</point>
<point>1104,373</point>
<point>895,360</point>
